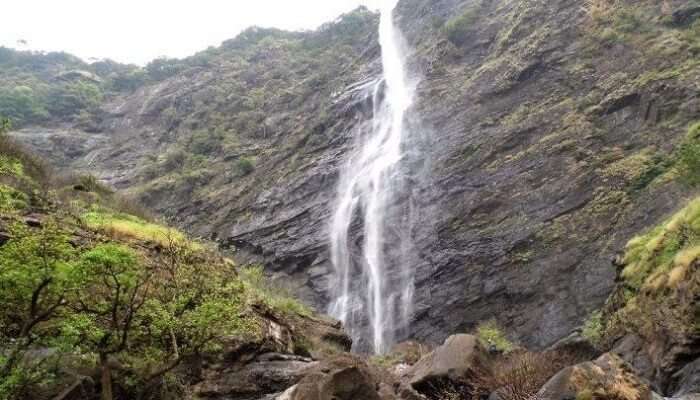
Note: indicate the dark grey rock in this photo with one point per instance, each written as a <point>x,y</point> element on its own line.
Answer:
<point>687,381</point>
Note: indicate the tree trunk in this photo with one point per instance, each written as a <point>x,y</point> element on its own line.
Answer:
<point>106,379</point>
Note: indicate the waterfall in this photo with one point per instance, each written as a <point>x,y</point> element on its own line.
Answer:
<point>372,295</point>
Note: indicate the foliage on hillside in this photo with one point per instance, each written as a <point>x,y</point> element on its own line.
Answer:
<point>263,67</point>
<point>38,87</point>
<point>84,283</point>
<point>265,81</point>
<point>660,283</point>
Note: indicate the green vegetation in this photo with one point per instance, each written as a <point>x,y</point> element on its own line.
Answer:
<point>262,75</point>
<point>100,287</point>
<point>637,24</point>
<point>491,335</point>
<point>593,328</point>
<point>689,156</point>
<point>245,165</point>
<point>37,88</point>
<point>660,282</point>
<point>274,297</point>
<point>670,246</point>
<point>128,226</point>
<point>457,28</point>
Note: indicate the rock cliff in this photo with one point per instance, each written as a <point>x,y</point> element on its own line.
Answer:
<point>543,132</point>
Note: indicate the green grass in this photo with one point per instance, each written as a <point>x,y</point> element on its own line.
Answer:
<point>12,199</point>
<point>593,328</point>
<point>128,226</point>
<point>276,298</point>
<point>673,245</point>
<point>457,29</point>
<point>689,156</point>
<point>490,334</point>
<point>11,166</point>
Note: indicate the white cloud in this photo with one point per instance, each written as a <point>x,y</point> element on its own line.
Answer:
<point>139,30</point>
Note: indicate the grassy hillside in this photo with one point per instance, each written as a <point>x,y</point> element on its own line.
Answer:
<point>90,282</point>
<point>660,283</point>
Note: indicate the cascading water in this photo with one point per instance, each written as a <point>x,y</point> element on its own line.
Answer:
<point>373,295</point>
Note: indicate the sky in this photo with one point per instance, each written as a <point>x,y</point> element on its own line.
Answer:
<point>137,31</point>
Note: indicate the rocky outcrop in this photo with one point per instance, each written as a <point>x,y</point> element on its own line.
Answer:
<point>290,349</point>
<point>342,378</point>
<point>455,363</point>
<point>687,380</point>
<point>606,377</point>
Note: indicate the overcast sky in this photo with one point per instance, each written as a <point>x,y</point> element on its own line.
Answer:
<point>137,31</point>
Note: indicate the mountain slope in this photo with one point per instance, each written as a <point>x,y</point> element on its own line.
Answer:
<point>548,135</point>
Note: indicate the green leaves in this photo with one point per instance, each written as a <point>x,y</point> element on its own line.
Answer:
<point>35,273</point>
<point>689,156</point>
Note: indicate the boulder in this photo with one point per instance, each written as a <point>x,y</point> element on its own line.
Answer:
<point>4,237</point>
<point>606,377</point>
<point>267,366</point>
<point>450,366</point>
<point>268,373</point>
<point>686,382</point>
<point>343,378</point>
<point>33,221</point>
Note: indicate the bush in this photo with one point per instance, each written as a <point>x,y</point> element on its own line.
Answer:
<point>124,226</point>
<point>649,258</point>
<point>22,104</point>
<point>457,29</point>
<point>11,199</point>
<point>205,142</point>
<point>17,161</point>
<point>521,375</point>
<point>273,296</point>
<point>491,336</point>
<point>245,166</point>
<point>689,156</point>
<point>593,328</point>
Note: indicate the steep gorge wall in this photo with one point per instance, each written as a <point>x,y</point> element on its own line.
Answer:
<point>545,136</point>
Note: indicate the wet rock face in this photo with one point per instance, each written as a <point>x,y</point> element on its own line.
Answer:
<point>535,149</point>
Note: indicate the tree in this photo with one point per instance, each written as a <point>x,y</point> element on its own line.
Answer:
<point>71,98</point>
<point>161,309</point>
<point>114,289</point>
<point>196,304</point>
<point>22,104</point>
<point>36,267</point>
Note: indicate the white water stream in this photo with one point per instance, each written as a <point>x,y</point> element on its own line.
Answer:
<point>370,303</point>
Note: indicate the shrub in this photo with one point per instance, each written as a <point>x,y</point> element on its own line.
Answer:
<point>600,9</point>
<point>593,328</point>
<point>649,257</point>
<point>245,166</point>
<point>69,99</point>
<point>11,199</point>
<point>457,29</point>
<point>491,336</point>
<point>658,294</point>
<point>689,156</point>
<point>121,226</point>
<point>520,374</point>
<point>204,142</point>
<point>275,297</point>
<point>16,160</point>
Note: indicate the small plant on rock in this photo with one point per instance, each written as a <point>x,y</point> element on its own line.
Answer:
<point>492,337</point>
